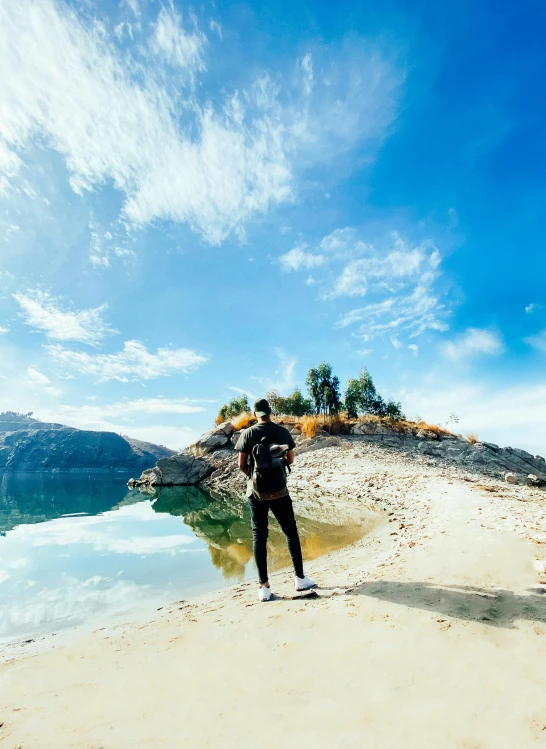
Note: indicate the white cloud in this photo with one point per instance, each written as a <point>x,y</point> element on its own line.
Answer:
<point>69,86</point>
<point>175,45</point>
<point>401,283</point>
<point>297,258</point>
<point>97,257</point>
<point>474,341</point>
<point>99,261</point>
<point>94,413</point>
<point>537,341</point>
<point>415,348</point>
<point>35,378</point>
<point>134,362</point>
<point>3,331</point>
<point>532,307</point>
<point>339,240</point>
<point>42,311</point>
<point>390,270</point>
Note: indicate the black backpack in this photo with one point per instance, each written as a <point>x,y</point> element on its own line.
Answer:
<point>269,470</point>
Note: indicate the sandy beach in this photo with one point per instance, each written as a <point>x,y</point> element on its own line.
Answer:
<point>429,632</point>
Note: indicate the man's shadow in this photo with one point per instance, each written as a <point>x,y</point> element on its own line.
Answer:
<point>497,608</point>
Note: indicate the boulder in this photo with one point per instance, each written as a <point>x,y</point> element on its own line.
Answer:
<point>180,470</point>
<point>426,434</point>
<point>510,478</point>
<point>235,437</point>
<point>215,439</point>
<point>534,480</point>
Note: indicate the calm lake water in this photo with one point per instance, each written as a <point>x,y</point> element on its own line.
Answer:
<point>83,548</point>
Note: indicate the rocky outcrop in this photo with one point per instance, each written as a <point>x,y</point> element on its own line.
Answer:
<point>36,447</point>
<point>216,439</point>
<point>485,457</point>
<point>211,460</point>
<point>179,470</point>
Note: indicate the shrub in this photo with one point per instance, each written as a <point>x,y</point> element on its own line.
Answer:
<point>243,420</point>
<point>337,425</point>
<point>311,426</point>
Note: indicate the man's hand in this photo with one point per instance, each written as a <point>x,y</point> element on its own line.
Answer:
<point>243,463</point>
<point>289,457</point>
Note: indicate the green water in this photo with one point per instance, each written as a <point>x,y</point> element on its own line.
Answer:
<point>77,549</point>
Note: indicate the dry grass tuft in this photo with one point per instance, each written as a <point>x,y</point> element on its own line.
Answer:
<point>472,438</point>
<point>337,424</point>
<point>218,420</point>
<point>243,420</point>
<point>311,426</point>
<point>440,431</point>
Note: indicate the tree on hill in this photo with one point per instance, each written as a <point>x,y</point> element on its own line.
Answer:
<point>324,390</point>
<point>361,397</point>
<point>292,405</point>
<point>235,407</point>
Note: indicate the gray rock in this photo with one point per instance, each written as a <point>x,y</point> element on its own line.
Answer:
<point>181,470</point>
<point>510,478</point>
<point>215,439</point>
<point>426,434</point>
<point>317,443</point>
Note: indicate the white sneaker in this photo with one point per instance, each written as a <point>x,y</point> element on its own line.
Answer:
<point>304,583</point>
<point>264,593</point>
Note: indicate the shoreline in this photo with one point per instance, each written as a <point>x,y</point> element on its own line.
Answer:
<point>440,605</point>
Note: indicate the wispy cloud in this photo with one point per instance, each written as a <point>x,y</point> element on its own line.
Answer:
<point>34,378</point>
<point>176,45</point>
<point>42,311</point>
<point>3,331</point>
<point>474,341</point>
<point>134,362</point>
<point>397,277</point>
<point>296,259</point>
<point>130,408</point>
<point>172,157</point>
<point>537,341</point>
<point>532,307</point>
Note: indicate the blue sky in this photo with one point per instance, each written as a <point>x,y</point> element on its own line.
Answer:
<point>200,200</point>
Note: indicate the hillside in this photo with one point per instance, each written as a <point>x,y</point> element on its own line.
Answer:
<point>29,445</point>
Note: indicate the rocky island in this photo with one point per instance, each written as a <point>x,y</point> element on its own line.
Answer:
<point>29,445</point>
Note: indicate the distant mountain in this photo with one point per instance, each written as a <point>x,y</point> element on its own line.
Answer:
<point>30,445</point>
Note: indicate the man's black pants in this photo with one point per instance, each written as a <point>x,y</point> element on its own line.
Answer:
<point>282,509</point>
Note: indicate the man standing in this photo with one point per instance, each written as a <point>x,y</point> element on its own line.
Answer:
<point>281,506</point>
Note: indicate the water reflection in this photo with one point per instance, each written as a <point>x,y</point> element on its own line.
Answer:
<point>33,498</point>
<point>224,524</point>
<point>82,548</point>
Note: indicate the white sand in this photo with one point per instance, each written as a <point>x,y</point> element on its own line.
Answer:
<point>438,643</point>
